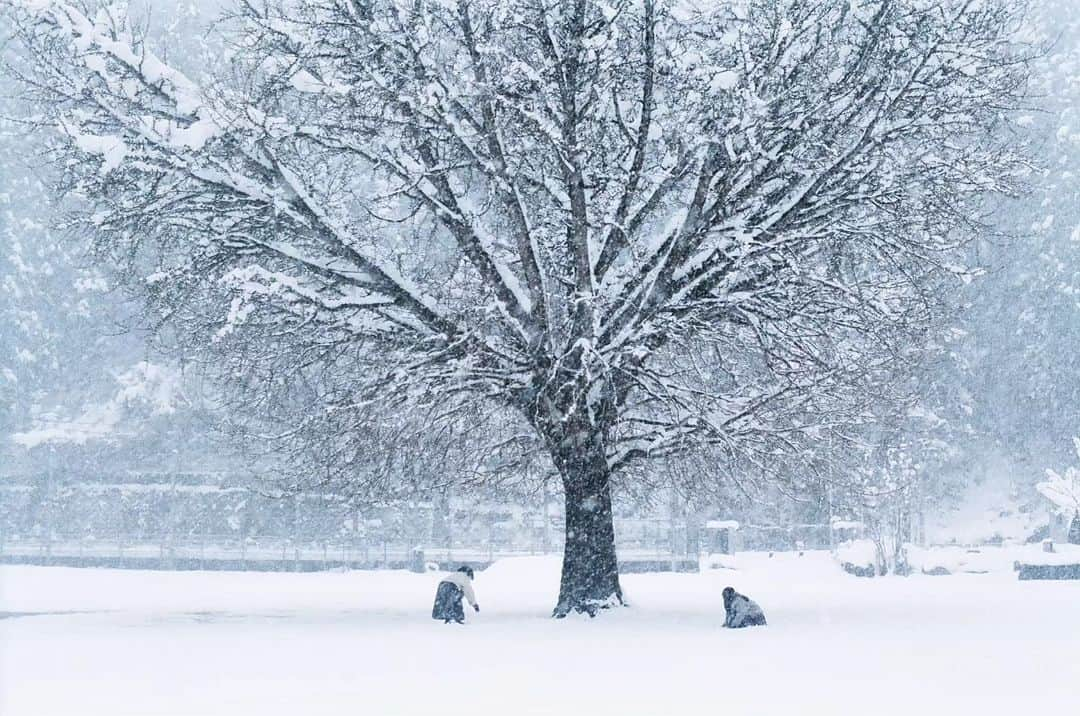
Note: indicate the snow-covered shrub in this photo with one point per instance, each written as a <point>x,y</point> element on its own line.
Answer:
<point>1063,492</point>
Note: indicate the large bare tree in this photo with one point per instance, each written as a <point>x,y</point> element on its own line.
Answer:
<point>634,227</point>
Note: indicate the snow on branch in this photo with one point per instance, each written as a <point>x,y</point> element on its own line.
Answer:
<point>161,121</point>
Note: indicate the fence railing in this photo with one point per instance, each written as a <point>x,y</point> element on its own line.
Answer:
<point>220,551</point>
<point>229,552</point>
<point>210,548</point>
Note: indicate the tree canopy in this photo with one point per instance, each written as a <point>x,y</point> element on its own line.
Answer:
<point>624,230</point>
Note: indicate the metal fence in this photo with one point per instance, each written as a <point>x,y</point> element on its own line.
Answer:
<point>217,552</point>
<point>220,552</point>
<point>643,544</point>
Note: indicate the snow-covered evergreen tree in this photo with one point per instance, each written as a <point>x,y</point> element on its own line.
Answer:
<point>1063,492</point>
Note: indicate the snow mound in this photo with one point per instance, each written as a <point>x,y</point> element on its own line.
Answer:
<point>719,561</point>
<point>860,552</point>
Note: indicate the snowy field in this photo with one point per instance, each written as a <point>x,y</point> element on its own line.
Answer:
<point>87,642</point>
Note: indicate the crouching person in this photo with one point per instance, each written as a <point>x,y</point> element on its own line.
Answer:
<point>741,611</point>
<point>448,596</point>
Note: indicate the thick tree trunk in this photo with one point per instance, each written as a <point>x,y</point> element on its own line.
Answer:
<point>590,571</point>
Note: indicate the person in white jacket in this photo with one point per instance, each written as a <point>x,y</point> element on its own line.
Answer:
<point>448,596</point>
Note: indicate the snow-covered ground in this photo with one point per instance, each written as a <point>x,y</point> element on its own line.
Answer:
<point>86,642</point>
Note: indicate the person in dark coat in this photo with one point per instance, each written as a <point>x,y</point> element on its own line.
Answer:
<point>448,596</point>
<point>741,611</point>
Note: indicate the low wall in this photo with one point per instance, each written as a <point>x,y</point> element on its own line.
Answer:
<point>1049,571</point>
